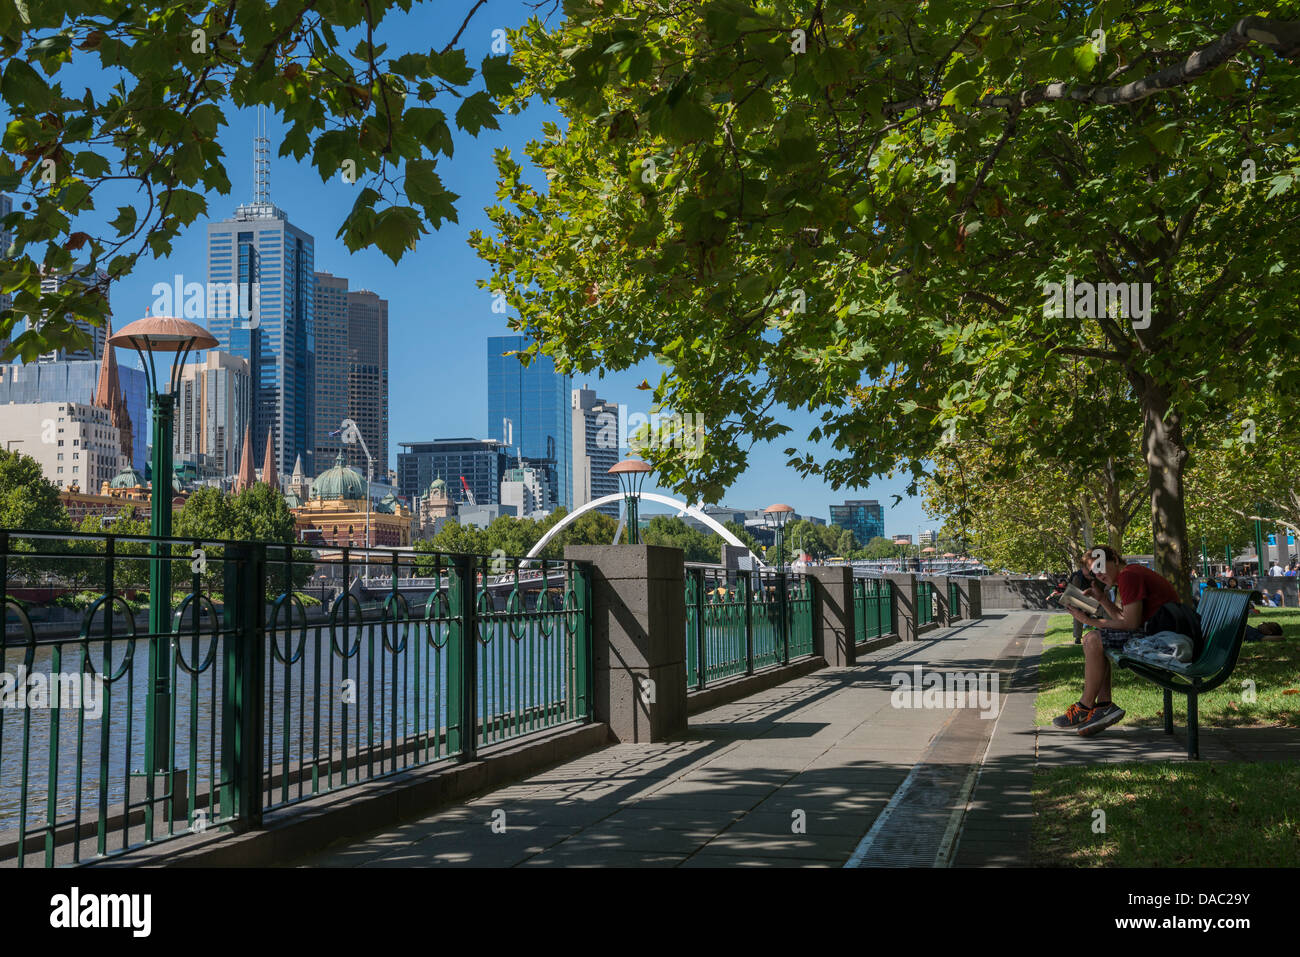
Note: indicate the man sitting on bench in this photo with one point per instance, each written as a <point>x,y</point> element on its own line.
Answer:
<point>1142,593</point>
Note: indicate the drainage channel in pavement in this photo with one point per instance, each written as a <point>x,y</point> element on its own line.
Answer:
<point>921,824</point>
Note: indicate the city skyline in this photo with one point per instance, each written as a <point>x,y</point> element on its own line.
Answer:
<point>439,315</point>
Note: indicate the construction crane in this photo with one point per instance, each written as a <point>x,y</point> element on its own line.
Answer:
<point>469,495</point>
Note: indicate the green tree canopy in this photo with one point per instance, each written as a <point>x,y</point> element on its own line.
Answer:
<point>878,549</point>
<point>672,531</point>
<point>874,211</point>
<point>28,500</point>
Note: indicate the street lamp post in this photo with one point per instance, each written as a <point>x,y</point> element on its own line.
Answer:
<point>1259,542</point>
<point>179,337</point>
<point>631,476</point>
<point>775,517</point>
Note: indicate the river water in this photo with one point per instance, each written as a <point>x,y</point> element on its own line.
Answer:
<point>324,698</point>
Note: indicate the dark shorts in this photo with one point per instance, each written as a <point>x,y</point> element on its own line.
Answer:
<point>1116,637</point>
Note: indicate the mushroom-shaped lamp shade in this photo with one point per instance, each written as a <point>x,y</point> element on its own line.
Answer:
<point>163,334</point>
<point>777,515</point>
<point>631,474</point>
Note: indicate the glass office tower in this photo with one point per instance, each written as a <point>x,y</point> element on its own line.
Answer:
<point>260,299</point>
<point>529,410</point>
<point>865,518</point>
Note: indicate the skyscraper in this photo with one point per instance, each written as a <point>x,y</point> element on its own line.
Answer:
<point>865,518</point>
<point>211,413</point>
<point>52,282</point>
<point>271,263</point>
<point>351,372</point>
<point>331,296</point>
<point>529,410</point>
<point>98,335</point>
<point>368,377</point>
<point>595,449</point>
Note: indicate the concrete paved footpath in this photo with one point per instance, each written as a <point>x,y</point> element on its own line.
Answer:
<point>821,771</point>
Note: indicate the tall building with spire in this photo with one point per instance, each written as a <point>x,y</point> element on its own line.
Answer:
<point>109,397</point>
<point>268,262</point>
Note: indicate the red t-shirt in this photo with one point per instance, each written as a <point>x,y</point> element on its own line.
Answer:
<point>1139,583</point>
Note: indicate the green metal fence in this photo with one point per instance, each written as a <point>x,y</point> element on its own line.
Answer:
<point>954,600</point>
<point>738,622</point>
<point>924,603</point>
<point>259,702</point>
<point>873,600</point>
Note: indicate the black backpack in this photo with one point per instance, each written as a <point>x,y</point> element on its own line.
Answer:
<point>1175,616</point>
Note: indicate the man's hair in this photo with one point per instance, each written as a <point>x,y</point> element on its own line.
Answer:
<point>1112,557</point>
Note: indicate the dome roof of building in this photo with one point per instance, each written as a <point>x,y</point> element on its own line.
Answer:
<point>340,482</point>
<point>388,504</point>
<point>438,486</point>
<point>128,478</point>
<point>292,500</point>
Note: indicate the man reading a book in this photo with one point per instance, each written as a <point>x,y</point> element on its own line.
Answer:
<point>1142,594</point>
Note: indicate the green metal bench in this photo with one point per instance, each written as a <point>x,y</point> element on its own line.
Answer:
<point>1223,615</point>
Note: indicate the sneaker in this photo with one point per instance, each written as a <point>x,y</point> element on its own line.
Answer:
<point>1074,716</point>
<point>1099,719</point>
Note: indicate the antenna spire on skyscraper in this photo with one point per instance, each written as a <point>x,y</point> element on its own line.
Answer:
<point>261,160</point>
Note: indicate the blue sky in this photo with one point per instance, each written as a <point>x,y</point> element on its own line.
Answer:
<point>439,320</point>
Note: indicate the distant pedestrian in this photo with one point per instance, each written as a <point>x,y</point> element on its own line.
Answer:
<point>1275,571</point>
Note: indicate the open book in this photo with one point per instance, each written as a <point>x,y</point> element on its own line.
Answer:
<point>1074,597</point>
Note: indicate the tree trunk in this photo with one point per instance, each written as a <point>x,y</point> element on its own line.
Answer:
<point>1166,457</point>
<point>1078,530</point>
<point>1114,509</point>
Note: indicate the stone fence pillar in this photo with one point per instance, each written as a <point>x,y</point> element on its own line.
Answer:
<point>976,604</point>
<point>834,621</point>
<point>944,614</point>
<point>638,639</point>
<point>904,604</point>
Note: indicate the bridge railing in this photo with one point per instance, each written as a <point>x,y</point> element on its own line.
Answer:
<point>739,622</point>
<point>253,697</point>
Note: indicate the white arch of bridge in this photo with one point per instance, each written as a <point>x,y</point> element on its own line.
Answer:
<point>681,506</point>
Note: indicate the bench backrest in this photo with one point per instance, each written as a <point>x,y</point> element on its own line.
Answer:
<point>1223,614</point>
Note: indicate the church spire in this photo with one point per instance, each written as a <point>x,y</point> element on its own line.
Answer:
<point>269,475</point>
<point>245,477</point>
<point>108,395</point>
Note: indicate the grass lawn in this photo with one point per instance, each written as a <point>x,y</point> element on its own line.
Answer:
<point>1174,814</point>
<point>1274,667</point>
<point>1168,815</point>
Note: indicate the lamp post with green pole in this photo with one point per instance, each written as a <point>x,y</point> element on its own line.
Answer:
<point>631,476</point>
<point>161,334</point>
<point>1259,542</point>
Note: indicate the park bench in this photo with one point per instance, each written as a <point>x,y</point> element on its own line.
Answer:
<point>1223,615</point>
